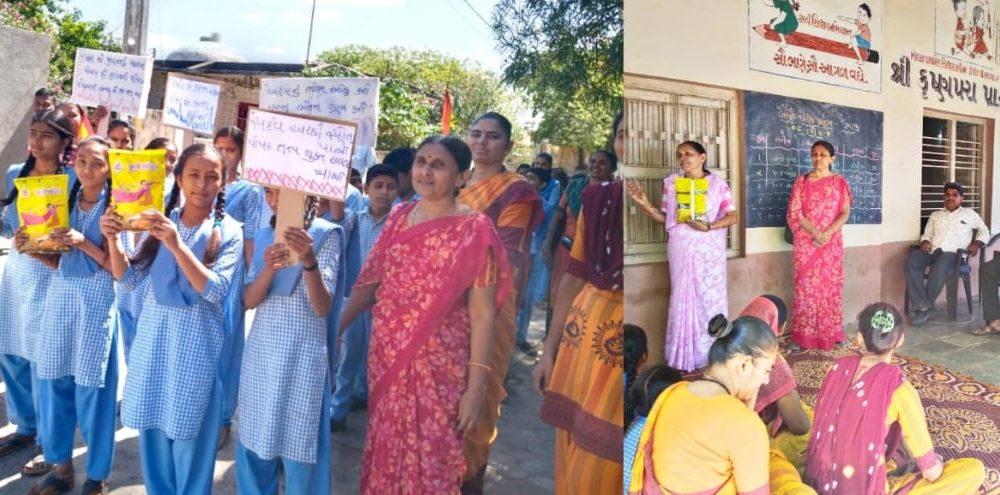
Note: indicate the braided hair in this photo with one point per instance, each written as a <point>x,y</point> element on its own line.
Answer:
<point>312,205</point>
<point>147,252</point>
<point>58,121</point>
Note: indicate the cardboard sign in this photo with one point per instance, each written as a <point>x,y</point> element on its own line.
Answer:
<point>191,104</point>
<point>354,99</point>
<point>137,179</point>
<point>115,80</point>
<point>305,154</point>
<point>42,207</point>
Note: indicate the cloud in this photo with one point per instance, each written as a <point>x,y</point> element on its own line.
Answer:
<point>360,3</point>
<point>255,17</point>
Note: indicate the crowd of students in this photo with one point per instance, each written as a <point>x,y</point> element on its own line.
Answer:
<point>404,301</point>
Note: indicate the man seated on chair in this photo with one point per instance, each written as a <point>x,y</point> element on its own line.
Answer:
<point>948,230</point>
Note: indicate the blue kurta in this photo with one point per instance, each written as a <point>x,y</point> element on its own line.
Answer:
<point>285,365</point>
<point>24,283</point>
<point>76,325</point>
<point>174,358</point>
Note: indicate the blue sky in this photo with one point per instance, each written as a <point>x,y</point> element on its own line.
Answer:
<point>277,31</point>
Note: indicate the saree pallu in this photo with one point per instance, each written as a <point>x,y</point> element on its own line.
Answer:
<point>418,362</point>
<point>515,209</point>
<point>817,319</point>
<point>584,398</point>
<point>584,394</point>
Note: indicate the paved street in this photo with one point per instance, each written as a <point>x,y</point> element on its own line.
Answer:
<point>521,462</point>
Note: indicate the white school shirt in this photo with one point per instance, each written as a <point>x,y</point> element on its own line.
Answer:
<point>952,230</point>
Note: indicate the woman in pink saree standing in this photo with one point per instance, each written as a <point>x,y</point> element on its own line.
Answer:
<point>819,206</point>
<point>696,251</point>
<point>436,277</point>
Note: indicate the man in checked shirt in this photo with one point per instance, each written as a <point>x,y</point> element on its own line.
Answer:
<point>948,230</point>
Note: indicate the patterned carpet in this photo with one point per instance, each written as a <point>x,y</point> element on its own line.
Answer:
<point>963,415</point>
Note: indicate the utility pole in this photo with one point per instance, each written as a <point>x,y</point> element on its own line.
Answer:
<point>312,17</point>
<point>136,23</point>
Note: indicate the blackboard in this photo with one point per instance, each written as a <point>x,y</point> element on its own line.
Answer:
<point>779,134</point>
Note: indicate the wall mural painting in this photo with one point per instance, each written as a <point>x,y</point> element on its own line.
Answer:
<point>829,41</point>
<point>967,30</point>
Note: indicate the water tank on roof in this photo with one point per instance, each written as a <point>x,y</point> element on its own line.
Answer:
<point>207,49</point>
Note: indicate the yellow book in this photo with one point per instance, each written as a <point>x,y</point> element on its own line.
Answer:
<point>137,181</point>
<point>692,199</point>
<point>42,207</point>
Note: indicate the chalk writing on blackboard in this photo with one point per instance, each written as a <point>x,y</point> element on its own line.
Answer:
<point>779,136</point>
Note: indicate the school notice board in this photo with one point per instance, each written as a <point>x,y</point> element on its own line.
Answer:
<point>305,154</point>
<point>779,136</point>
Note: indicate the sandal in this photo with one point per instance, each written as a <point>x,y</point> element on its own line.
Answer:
<point>93,487</point>
<point>14,442</point>
<point>37,467</point>
<point>987,330</point>
<point>54,483</point>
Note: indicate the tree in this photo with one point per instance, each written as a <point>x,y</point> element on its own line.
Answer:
<point>567,56</point>
<point>67,30</point>
<point>412,88</point>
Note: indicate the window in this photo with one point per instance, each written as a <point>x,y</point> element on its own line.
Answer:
<point>242,112</point>
<point>954,149</point>
<point>659,115</point>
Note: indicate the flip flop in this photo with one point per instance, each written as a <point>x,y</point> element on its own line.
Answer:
<point>988,331</point>
<point>37,467</point>
<point>52,484</point>
<point>93,487</point>
<point>14,442</point>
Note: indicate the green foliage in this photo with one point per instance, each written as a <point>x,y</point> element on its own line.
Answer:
<point>567,56</point>
<point>412,89</point>
<point>65,27</point>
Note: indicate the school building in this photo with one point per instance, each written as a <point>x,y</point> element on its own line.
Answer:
<point>908,91</point>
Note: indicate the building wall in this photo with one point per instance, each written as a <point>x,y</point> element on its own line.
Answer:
<point>24,65</point>
<point>706,42</point>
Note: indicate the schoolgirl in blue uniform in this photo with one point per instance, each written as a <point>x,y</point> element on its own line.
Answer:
<point>244,201</point>
<point>173,394</point>
<point>76,358</point>
<point>285,384</point>
<point>24,283</point>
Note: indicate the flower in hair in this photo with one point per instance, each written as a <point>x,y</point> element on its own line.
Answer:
<point>883,321</point>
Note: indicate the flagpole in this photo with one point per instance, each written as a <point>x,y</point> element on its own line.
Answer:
<point>312,17</point>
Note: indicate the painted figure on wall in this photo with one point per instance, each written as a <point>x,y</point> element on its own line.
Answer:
<point>785,22</point>
<point>861,35</point>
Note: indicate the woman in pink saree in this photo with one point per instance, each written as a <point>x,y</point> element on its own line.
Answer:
<point>819,206</point>
<point>864,410</point>
<point>436,277</point>
<point>696,251</point>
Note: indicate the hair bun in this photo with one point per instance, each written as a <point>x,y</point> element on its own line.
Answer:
<point>719,326</point>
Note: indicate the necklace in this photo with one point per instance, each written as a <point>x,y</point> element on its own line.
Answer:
<point>717,382</point>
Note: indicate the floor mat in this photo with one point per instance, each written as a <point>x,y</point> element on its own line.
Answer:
<point>963,414</point>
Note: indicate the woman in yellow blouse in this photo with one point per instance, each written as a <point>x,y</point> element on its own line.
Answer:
<point>704,436</point>
<point>864,403</point>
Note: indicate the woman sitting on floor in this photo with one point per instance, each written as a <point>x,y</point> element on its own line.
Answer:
<point>864,403</point>
<point>703,436</point>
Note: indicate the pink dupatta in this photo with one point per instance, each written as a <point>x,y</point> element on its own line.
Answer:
<point>848,441</point>
<point>819,210</point>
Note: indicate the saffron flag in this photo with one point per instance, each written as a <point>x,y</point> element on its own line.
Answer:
<point>85,130</point>
<point>446,113</point>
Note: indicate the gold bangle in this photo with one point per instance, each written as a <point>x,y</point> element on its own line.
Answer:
<point>481,365</point>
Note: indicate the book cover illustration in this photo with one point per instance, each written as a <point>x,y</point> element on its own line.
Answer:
<point>692,196</point>
<point>43,207</point>
<point>137,182</point>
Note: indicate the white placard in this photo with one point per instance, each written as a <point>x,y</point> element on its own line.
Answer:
<point>191,104</point>
<point>115,80</point>
<point>354,99</point>
<point>306,154</point>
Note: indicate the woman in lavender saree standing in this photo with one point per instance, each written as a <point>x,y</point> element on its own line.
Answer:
<point>696,251</point>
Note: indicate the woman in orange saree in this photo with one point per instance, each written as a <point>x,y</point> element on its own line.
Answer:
<point>516,210</point>
<point>436,277</point>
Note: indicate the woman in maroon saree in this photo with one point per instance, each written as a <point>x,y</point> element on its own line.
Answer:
<point>864,408</point>
<point>436,277</point>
